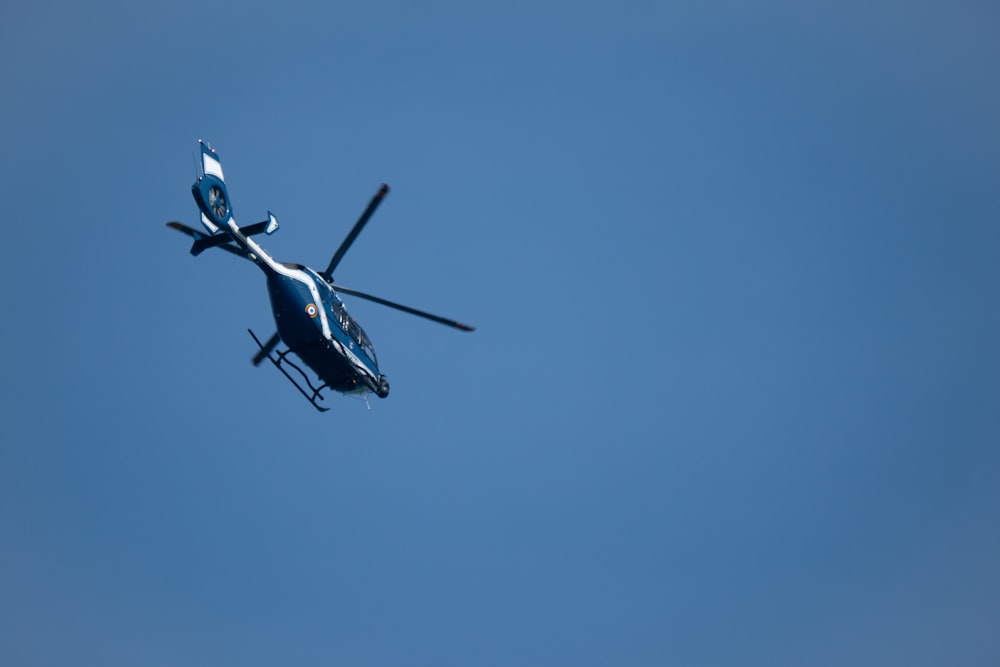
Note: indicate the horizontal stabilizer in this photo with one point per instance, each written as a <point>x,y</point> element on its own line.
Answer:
<point>258,228</point>
<point>198,237</point>
<point>203,243</point>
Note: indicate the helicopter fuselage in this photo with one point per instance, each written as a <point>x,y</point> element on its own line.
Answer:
<point>313,323</point>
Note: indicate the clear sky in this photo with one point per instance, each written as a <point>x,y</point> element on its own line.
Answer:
<point>733,398</point>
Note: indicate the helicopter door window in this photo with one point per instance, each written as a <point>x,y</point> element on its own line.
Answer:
<point>355,331</point>
<point>366,345</point>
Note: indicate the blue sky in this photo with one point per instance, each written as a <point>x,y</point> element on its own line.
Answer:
<point>733,398</point>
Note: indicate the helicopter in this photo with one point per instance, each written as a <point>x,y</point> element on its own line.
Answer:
<point>309,315</point>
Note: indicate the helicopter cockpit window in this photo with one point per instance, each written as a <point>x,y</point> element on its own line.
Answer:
<point>354,330</point>
<point>366,345</point>
<point>361,338</point>
<point>341,318</point>
<point>339,314</point>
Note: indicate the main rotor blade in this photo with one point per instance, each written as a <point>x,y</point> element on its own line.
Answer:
<point>184,229</point>
<point>339,255</point>
<point>405,309</point>
<point>266,349</point>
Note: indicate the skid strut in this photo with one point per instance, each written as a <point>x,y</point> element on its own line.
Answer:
<point>283,360</point>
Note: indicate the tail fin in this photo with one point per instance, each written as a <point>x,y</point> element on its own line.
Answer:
<point>210,192</point>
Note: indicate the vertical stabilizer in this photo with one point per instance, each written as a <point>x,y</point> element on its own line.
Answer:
<point>210,192</point>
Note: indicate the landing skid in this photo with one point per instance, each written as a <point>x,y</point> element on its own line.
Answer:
<point>283,360</point>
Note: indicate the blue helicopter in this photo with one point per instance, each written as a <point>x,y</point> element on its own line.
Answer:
<point>310,316</point>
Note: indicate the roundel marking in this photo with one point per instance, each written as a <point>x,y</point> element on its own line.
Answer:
<point>311,310</point>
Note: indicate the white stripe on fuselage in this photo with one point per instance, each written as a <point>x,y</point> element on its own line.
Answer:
<point>261,256</point>
<point>301,276</point>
